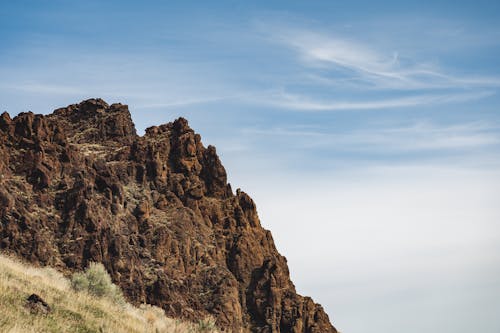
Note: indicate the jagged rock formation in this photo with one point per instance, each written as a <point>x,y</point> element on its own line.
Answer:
<point>80,185</point>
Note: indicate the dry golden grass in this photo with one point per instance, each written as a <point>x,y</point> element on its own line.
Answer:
<point>74,311</point>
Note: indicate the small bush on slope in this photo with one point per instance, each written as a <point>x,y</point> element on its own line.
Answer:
<point>96,281</point>
<point>72,311</point>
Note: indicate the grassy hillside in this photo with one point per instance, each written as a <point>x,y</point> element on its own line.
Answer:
<point>73,311</point>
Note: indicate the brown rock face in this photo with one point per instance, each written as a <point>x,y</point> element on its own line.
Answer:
<point>79,185</point>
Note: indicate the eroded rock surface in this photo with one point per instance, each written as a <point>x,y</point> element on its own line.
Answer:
<point>79,185</point>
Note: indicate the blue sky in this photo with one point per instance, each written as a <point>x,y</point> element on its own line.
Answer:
<point>368,132</point>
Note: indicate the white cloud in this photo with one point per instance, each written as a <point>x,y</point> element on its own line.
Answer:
<point>420,136</point>
<point>34,87</point>
<point>365,65</point>
<point>176,102</point>
<point>304,103</point>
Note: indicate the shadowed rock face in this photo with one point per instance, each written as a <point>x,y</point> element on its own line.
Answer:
<point>79,185</point>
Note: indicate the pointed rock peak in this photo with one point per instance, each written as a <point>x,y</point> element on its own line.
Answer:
<point>181,125</point>
<point>5,121</point>
<point>94,120</point>
<point>177,127</point>
<point>117,107</point>
<point>5,116</point>
<point>88,108</point>
<point>96,103</point>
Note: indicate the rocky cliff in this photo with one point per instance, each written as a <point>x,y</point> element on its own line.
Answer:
<point>79,185</point>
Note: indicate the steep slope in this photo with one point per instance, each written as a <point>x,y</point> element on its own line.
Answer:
<point>80,185</point>
<point>68,311</point>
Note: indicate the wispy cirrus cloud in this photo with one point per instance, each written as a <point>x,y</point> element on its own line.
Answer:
<point>41,88</point>
<point>421,136</point>
<point>342,58</point>
<point>305,103</point>
<point>370,76</point>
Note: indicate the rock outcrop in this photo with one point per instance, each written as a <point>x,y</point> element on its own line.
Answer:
<point>35,304</point>
<point>79,185</point>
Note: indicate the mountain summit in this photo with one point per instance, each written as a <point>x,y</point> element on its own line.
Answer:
<point>79,186</point>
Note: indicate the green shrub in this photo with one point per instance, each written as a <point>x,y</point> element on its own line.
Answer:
<point>206,325</point>
<point>80,282</point>
<point>96,281</point>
